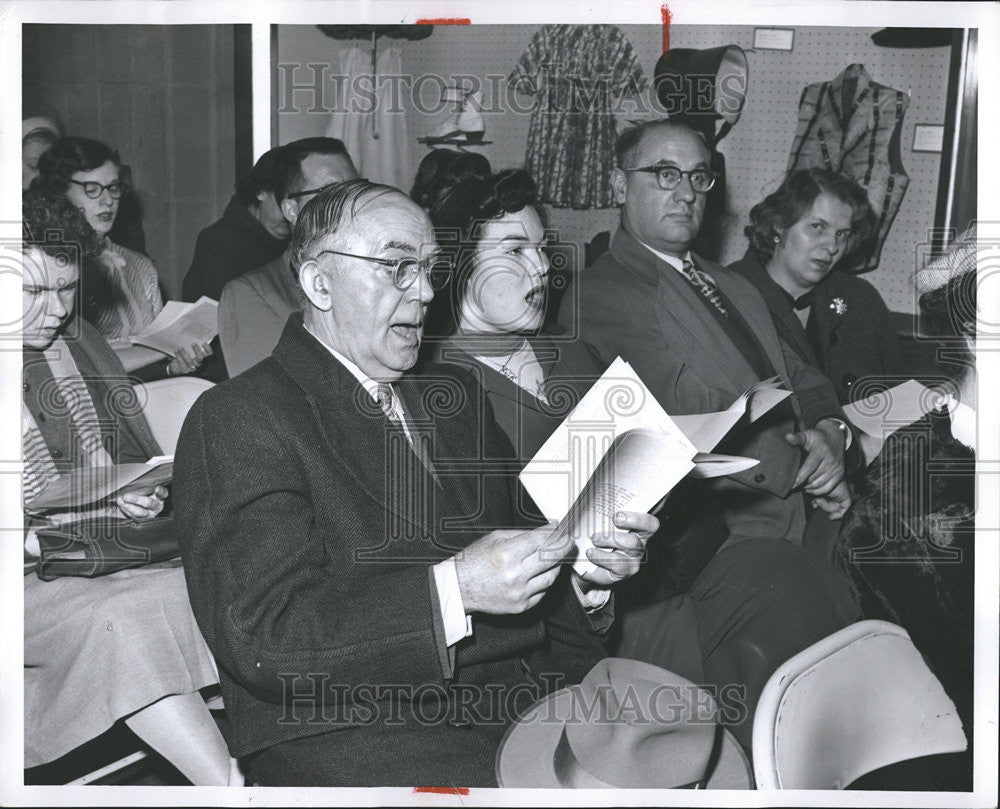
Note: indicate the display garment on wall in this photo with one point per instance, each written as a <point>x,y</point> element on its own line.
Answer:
<point>368,119</point>
<point>575,72</point>
<point>847,334</point>
<point>852,125</point>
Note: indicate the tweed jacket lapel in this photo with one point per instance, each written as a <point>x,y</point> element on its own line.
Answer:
<point>353,427</point>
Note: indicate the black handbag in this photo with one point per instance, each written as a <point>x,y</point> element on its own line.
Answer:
<point>98,546</point>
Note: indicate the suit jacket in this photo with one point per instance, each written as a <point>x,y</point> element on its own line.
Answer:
<point>236,244</point>
<point>852,322</point>
<point>569,369</point>
<point>253,310</point>
<point>308,536</point>
<point>633,304</point>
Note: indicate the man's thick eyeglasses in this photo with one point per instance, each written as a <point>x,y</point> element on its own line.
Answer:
<point>404,271</point>
<point>94,189</point>
<point>308,191</point>
<point>669,177</point>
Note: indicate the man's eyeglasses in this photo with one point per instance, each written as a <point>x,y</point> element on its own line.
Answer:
<point>404,271</point>
<point>308,191</point>
<point>94,189</point>
<point>669,177</point>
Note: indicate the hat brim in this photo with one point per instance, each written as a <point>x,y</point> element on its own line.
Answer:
<point>525,757</point>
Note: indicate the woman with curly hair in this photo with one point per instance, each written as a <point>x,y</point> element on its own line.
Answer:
<point>492,313</point>
<point>124,646</point>
<point>804,239</point>
<point>120,294</point>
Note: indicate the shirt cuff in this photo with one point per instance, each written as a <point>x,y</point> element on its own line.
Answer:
<point>594,600</point>
<point>457,624</point>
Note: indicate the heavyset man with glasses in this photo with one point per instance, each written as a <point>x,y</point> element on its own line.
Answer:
<point>699,336</point>
<point>370,625</point>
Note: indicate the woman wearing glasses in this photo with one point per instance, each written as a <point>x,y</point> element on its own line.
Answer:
<point>121,294</point>
<point>493,311</point>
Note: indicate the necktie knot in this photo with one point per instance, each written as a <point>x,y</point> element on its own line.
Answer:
<point>705,284</point>
<point>385,400</point>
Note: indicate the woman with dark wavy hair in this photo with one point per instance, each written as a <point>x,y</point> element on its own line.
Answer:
<point>120,293</point>
<point>493,311</point>
<point>805,238</point>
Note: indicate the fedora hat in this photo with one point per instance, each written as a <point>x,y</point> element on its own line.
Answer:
<point>702,87</point>
<point>628,724</point>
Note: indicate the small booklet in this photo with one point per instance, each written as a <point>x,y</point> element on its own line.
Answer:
<point>180,325</point>
<point>89,484</point>
<point>878,416</point>
<point>619,450</point>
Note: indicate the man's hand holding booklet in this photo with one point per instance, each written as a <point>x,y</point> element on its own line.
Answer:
<point>618,450</point>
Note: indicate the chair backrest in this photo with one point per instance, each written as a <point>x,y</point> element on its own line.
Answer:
<point>167,402</point>
<point>861,699</point>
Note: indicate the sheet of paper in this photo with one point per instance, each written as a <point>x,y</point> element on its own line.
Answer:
<point>881,414</point>
<point>90,484</point>
<point>706,430</point>
<point>179,325</point>
<point>636,472</point>
<point>616,403</point>
<point>712,465</point>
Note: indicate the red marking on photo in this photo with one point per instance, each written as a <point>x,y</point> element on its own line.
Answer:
<point>445,21</point>
<point>665,14</point>
<point>443,790</point>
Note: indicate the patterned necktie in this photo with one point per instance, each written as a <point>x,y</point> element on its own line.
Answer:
<point>705,284</point>
<point>387,401</point>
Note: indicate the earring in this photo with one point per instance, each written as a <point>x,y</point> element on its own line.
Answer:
<point>776,239</point>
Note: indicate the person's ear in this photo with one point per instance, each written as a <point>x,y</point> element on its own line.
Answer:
<point>619,183</point>
<point>315,285</point>
<point>290,209</point>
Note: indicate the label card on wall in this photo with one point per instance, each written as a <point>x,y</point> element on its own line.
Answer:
<point>928,138</point>
<point>773,39</point>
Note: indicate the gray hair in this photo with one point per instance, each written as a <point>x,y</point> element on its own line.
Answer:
<point>328,212</point>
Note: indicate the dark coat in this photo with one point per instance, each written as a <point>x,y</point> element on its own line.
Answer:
<point>309,531</point>
<point>569,367</point>
<point>632,304</point>
<point>857,342</point>
<point>236,244</point>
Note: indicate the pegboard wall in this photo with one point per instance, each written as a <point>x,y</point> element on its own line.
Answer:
<point>756,149</point>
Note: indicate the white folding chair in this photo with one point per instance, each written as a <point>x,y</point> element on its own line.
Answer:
<point>861,699</point>
<point>166,403</point>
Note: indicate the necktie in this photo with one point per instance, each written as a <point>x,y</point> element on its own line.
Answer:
<point>705,284</point>
<point>387,401</point>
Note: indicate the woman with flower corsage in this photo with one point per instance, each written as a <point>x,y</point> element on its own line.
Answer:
<point>804,239</point>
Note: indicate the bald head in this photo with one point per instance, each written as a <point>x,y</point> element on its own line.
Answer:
<point>666,220</point>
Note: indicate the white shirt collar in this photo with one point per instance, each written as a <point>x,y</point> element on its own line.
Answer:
<point>673,261</point>
<point>367,382</point>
